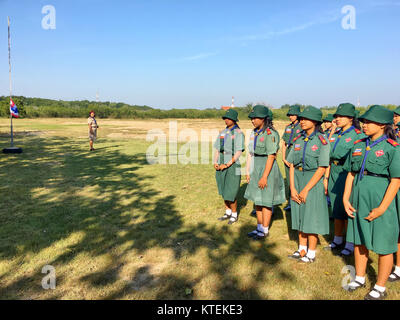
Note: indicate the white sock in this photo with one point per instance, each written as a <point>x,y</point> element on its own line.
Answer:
<point>349,246</point>
<point>234,215</point>
<point>264,229</point>
<point>338,240</point>
<point>260,227</point>
<point>301,248</point>
<point>360,279</point>
<point>228,212</point>
<point>311,254</point>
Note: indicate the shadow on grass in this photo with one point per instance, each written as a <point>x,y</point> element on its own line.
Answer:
<point>52,186</point>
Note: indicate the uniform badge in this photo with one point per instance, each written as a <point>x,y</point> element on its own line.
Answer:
<point>298,130</point>
<point>262,139</point>
<point>288,130</point>
<point>348,139</point>
<point>297,147</point>
<point>233,137</point>
<point>379,153</point>
<point>332,139</point>
<point>314,147</point>
<point>357,152</point>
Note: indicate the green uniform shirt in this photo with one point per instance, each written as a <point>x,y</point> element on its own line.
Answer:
<point>291,132</point>
<point>341,144</point>
<point>229,142</point>
<point>266,144</point>
<point>316,153</point>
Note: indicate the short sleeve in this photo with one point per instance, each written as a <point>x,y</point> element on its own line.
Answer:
<point>394,167</point>
<point>290,156</point>
<point>324,159</point>
<point>239,141</point>
<point>217,143</point>
<point>347,163</point>
<point>272,143</point>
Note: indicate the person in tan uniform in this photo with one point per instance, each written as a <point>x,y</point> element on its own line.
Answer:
<point>92,123</point>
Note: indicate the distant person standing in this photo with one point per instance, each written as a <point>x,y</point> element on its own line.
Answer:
<point>92,123</point>
<point>328,125</point>
<point>291,131</point>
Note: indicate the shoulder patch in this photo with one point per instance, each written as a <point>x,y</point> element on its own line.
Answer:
<point>268,131</point>
<point>321,137</point>
<point>392,142</point>
<point>360,140</point>
<point>357,131</point>
<point>296,138</point>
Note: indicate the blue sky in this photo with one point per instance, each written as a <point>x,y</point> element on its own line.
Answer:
<point>200,53</point>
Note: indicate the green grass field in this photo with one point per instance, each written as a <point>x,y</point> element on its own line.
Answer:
<point>116,227</point>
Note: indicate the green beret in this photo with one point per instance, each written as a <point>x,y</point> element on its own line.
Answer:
<point>329,118</point>
<point>311,113</point>
<point>346,110</point>
<point>294,110</point>
<point>397,110</point>
<point>231,114</point>
<point>378,114</point>
<point>260,111</point>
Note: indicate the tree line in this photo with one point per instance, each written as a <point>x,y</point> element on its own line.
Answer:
<point>48,108</point>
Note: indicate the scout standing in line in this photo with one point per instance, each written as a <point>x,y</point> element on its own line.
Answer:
<point>229,146</point>
<point>371,185</point>
<point>291,131</point>
<point>308,160</point>
<point>328,125</point>
<point>395,275</point>
<point>266,187</point>
<point>92,123</point>
<point>335,177</point>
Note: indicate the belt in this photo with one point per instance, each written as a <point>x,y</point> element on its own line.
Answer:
<point>367,173</point>
<point>260,155</point>
<point>300,168</point>
<point>338,162</point>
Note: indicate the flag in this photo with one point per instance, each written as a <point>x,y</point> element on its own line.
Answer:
<point>13,109</point>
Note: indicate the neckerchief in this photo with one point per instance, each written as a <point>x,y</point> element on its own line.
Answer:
<point>231,130</point>
<point>256,133</point>
<point>367,150</point>
<point>340,134</point>
<point>306,139</point>
<point>293,126</point>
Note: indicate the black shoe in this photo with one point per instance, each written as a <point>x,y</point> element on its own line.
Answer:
<point>253,213</point>
<point>306,259</point>
<point>346,253</point>
<point>382,295</point>
<point>260,236</point>
<point>295,255</point>
<point>336,247</point>
<point>288,208</point>
<point>252,234</point>
<point>393,277</point>
<point>232,220</point>
<point>224,217</point>
<point>354,288</point>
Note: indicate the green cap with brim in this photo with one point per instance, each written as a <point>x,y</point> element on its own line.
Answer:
<point>231,114</point>
<point>346,110</point>
<point>311,113</point>
<point>397,111</point>
<point>378,114</point>
<point>260,111</point>
<point>294,110</point>
<point>329,118</point>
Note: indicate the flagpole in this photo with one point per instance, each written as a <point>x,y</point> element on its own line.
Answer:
<point>9,65</point>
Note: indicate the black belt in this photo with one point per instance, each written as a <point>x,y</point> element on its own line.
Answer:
<point>367,173</point>
<point>338,162</point>
<point>260,155</point>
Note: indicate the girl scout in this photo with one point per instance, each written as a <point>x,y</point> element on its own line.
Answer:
<point>328,126</point>
<point>265,187</point>
<point>335,177</point>
<point>371,185</point>
<point>92,123</point>
<point>395,275</point>
<point>308,160</point>
<point>229,146</point>
<point>291,131</point>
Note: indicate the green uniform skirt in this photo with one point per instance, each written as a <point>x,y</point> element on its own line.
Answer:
<point>274,193</point>
<point>337,181</point>
<point>313,216</point>
<point>228,181</point>
<point>287,180</point>
<point>381,234</point>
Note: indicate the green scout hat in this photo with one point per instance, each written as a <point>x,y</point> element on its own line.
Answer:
<point>260,111</point>
<point>346,110</point>
<point>328,118</point>
<point>294,110</point>
<point>378,114</point>
<point>231,114</point>
<point>311,113</point>
<point>397,110</point>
